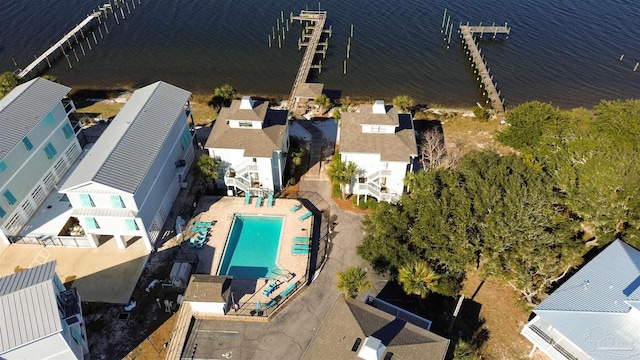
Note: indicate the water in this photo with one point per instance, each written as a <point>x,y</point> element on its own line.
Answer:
<point>562,51</point>
<point>252,247</point>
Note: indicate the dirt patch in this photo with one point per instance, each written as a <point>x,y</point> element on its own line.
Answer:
<point>503,316</point>
<point>348,205</point>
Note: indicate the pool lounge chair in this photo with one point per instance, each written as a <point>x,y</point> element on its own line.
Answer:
<point>300,251</point>
<point>247,198</point>
<point>271,303</point>
<point>269,289</point>
<point>306,216</point>
<point>300,246</point>
<point>300,240</point>
<point>259,201</point>
<point>270,200</point>
<point>204,223</point>
<point>197,243</point>
<point>296,208</point>
<point>288,290</point>
<point>198,229</point>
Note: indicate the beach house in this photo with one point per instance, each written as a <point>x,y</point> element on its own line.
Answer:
<point>250,141</point>
<point>595,313</point>
<point>40,318</point>
<point>382,144</point>
<point>38,144</point>
<point>125,185</point>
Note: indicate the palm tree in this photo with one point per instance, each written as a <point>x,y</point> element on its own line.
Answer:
<point>417,278</point>
<point>342,172</point>
<point>352,281</point>
<point>208,167</point>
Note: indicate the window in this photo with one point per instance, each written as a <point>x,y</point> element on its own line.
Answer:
<point>49,120</point>
<point>3,166</point>
<point>362,180</point>
<point>116,202</point>
<point>92,224</point>
<point>131,224</point>
<point>9,197</point>
<point>67,131</point>
<point>2,212</point>
<point>86,200</point>
<point>185,140</point>
<point>245,124</point>
<point>27,143</point>
<point>50,151</point>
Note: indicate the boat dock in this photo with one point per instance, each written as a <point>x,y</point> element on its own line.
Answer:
<point>468,34</point>
<point>80,34</point>
<point>314,21</point>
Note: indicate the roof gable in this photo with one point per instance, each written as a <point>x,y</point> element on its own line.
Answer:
<point>24,107</point>
<point>28,306</point>
<point>128,147</point>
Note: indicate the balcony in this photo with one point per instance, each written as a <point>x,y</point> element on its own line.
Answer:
<point>377,191</point>
<point>69,106</point>
<point>70,302</point>
<point>553,344</point>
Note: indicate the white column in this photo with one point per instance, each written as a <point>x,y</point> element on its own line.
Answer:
<point>93,240</point>
<point>120,242</point>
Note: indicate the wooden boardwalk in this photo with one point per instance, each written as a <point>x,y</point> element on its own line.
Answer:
<point>318,19</point>
<point>468,35</point>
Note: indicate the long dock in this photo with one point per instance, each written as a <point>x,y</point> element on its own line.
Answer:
<point>318,19</point>
<point>468,34</point>
<point>59,45</point>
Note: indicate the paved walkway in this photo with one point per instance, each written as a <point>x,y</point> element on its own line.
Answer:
<point>315,151</point>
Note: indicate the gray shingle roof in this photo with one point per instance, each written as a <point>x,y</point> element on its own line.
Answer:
<point>128,147</point>
<point>349,319</point>
<point>28,308</point>
<point>24,107</point>
<point>255,142</point>
<point>598,296</point>
<point>391,147</point>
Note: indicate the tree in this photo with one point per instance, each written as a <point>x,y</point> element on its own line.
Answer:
<point>432,148</point>
<point>51,78</point>
<point>417,278</point>
<point>208,167</point>
<point>353,280</point>
<point>342,173</point>
<point>528,122</point>
<point>403,102</point>
<point>323,101</point>
<point>222,96</point>
<point>465,351</point>
<point>8,81</point>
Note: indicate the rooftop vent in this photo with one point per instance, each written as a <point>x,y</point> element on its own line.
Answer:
<point>246,103</point>
<point>373,349</point>
<point>378,107</point>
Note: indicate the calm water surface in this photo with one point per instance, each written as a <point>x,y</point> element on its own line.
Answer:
<point>563,51</point>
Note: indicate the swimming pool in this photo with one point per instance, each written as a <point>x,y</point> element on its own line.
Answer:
<point>252,247</point>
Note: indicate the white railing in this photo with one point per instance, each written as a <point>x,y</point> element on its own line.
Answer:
<point>238,182</point>
<point>374,190</point>
<point>378,174</point>
<point>546,344</point>
<point>244,168</point>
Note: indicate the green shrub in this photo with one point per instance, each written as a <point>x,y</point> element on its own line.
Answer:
<point>480,114</point>
<point>336,192</point>
<point>292,181</point>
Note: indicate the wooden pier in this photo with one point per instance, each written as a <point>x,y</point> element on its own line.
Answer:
<point>79,34</point>
<point>315,21</point>
<point>468,34</point>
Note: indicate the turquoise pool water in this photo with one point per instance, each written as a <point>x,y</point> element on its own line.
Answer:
<point>252,247</point>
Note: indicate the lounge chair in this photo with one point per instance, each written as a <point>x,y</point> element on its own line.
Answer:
<point>301,246</point>
<point>259,201</point>
<point>300,251</point>
<point>270,200</point>
<point>204,223</point>
<point>296,208</point>
<point>288,290</point>
<point>198,229</point>
<point>247,198</point>
<point>300,240</point>
<point>197,243</point>
<point>269,289</point>
<point>306,216</point>
<point>271,304</point>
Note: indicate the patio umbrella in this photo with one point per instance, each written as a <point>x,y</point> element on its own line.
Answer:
<point>259,308</point>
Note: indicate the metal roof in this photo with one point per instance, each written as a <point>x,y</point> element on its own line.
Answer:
<point>126,150</point>
<point>28,307</point>
<point>24,107</point>
<point>598,296</point>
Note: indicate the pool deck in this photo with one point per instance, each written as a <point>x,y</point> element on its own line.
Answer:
<point>221,210</point>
